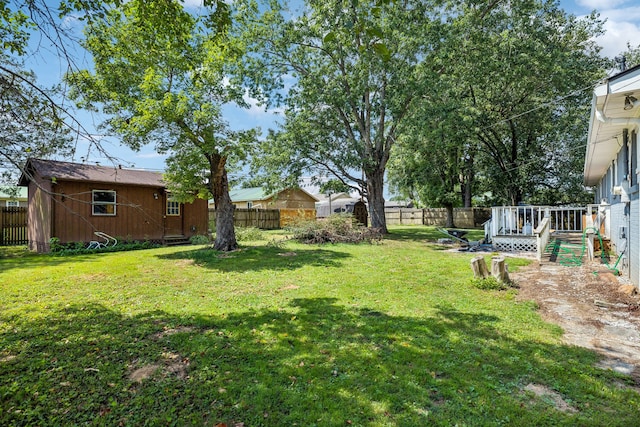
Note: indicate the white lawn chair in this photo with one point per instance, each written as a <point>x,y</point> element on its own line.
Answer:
<point>108,241</point>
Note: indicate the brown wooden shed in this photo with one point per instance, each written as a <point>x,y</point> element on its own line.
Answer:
<point>72,201</point>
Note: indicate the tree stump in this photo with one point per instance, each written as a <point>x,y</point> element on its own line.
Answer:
<point>499,269</point>
<point>479,267</point>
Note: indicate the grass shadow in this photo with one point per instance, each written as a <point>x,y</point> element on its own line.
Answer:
<point>21,258</point>
<point>259,258</point>
<point>425,234</point>
<point>313,362</point>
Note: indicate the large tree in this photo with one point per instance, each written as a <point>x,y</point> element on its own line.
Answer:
<point>517,78</point>
<point>357,68</point>
<point>35,120</point>
<point>524,75</point>
<point>160,74</point>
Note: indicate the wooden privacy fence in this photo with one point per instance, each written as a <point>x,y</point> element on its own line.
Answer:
<point>462,217</point>
<point>13,226</point>
<point>271,219</point>
<point>265,219</point>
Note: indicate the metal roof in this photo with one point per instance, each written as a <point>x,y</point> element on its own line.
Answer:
<point>608,120</point>
<point>254,194</point>
<point>249,194</point>
<point>67,171</point>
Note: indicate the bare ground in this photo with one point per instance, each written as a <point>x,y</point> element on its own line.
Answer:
<point>586,303</point>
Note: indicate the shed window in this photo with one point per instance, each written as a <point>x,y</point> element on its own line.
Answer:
<point>104,202</point>
<point>12,203</point>
<point>173,208</point>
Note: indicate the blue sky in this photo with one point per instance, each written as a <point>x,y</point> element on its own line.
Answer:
<point>622,26</point>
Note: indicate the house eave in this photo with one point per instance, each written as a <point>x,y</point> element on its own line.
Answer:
<point>608,120</point>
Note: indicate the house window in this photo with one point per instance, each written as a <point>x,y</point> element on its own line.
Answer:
<point>249,205</point>
<point>104,202</point>
<point>13,203</point>
<point>173,208</point>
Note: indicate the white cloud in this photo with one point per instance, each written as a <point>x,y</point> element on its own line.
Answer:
<point>622,24</point>
<point>616,37</point>
<point>628,14</point>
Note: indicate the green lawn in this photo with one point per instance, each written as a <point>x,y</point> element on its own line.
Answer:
<point>390,334</point>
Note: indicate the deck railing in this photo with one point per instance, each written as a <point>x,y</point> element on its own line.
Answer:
<point>542,237</point>
<point>523,220</point>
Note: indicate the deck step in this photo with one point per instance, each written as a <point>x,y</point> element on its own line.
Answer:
<point>176,240</point>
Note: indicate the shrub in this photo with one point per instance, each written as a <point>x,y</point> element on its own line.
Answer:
<point>199,240</point>
<point>489,283</point>
<point>75,248</point>
<point>244,234</point>
<point>339,228</point>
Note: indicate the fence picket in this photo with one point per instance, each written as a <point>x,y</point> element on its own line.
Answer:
<point>13,226</point>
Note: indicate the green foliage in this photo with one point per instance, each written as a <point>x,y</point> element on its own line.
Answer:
<point>507,115</point>
<point>489,283</point>
<point>79,248</point>
<point>199,239</point>
<point>337,228</point>
<point>334,186</point>
<point>245,234</point>
<point>358,70</point>
<point>163,74</point>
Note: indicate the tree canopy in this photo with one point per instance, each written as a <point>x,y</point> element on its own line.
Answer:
<point>519,76</point>
<point>357,68</point>
<point>160,74</point>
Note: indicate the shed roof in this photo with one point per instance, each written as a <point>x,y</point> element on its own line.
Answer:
<point>67,171</point>
<point>608,120</point>
<point>249,194</point>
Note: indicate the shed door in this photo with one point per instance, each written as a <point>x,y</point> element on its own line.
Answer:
<point>173,219</point>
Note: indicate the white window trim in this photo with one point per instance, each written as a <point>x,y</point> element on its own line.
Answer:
<point>12,204</point>
<point>94,203</point>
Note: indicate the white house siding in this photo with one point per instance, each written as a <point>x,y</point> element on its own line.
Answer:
<point>618,239</point>
<point>634,241</point>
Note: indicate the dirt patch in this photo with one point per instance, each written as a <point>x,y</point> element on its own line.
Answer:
<point>586,303</point>
<point>171,364</point>
<point>171,331</point>
<point>141,374</point>
<point>545,393</point>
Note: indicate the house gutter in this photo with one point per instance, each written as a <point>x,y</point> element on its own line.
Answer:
<point>631,122</point>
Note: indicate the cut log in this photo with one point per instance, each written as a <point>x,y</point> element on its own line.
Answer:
<point>479,267</point>
<point>499,269</point>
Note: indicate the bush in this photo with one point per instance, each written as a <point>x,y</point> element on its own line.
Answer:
<point>489,283</point>
<point>75,248</point>
<point>339,228</point>
<point>244,234</point>
<point>199,240</point>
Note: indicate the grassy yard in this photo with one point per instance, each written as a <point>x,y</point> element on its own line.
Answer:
<point>390,334</point>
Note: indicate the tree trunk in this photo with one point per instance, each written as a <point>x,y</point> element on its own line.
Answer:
<point>219,186</point>
<point>449,222</point>
<point>375,197</point>
<point>467,185</point>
